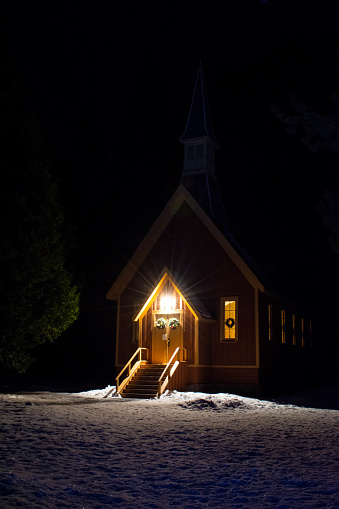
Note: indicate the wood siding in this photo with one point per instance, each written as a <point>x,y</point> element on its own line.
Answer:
<point>178,381</point>
<point>212,375</point>
<point>284,366</point>
<point>187,247</point>
<point>189,334</point>
<point>146,335</point>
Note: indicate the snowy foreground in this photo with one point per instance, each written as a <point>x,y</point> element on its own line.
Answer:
<point>185,450</point>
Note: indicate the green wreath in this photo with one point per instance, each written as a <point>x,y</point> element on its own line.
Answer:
<point>173,323</point>
<point>230,323</point>
<point>160,323</point>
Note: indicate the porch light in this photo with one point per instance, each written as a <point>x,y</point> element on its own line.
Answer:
<point>167,303</point>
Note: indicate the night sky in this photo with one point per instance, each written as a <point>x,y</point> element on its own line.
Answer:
<point>111,84</point>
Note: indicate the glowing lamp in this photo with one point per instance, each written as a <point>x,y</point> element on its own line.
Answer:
<point>167,303</point>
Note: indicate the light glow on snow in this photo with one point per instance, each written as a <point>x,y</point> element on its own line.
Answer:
<point>184,450</point>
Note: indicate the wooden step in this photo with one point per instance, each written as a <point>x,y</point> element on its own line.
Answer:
<point>143,376</point>
<point>141,390</point>
<point>133,395</point>
<point>146,392</point>
<point>144,383</point>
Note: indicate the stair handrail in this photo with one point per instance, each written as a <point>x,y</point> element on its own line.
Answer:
<point>131,371</point>
<point>162,384</point>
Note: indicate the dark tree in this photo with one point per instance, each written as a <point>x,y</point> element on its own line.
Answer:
<point>38,300</point>
<point>319,133</point>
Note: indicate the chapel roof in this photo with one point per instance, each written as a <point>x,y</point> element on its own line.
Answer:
<point>199,189</point>
<point>199,122</point>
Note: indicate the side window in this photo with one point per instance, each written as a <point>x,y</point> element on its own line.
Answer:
<point>294,331</point>
<point>136,332</point>
<point>229,319</point>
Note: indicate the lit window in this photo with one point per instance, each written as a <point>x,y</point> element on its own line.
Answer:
<point>294,331</point>
<point>229,320</point>
<point>270,322</point>
<point>167,303</point>
<point>283,326</point>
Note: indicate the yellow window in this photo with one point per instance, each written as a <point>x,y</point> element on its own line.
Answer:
<point>229,309</point>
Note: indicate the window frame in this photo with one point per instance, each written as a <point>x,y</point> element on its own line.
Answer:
<point>294,329</point>
<point>235,299</point>
<point>137,331</point>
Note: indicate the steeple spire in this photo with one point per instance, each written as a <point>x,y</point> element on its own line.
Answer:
<point>198,138</point>
<point>198,174</point>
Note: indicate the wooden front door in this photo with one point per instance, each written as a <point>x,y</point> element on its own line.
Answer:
<point>165,341</point>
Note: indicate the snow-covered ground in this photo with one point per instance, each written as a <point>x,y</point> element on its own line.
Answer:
<point>185,450</point>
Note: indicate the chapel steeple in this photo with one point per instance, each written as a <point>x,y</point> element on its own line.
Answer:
<point>198,174</point>
<point>198,138</point>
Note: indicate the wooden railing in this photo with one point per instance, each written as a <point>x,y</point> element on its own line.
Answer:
<point>169,370</point>
<point>131,369</point>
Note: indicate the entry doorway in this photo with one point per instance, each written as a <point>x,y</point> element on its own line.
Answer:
<point>165,340</point>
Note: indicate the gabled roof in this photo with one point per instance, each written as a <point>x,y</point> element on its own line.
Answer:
<point>198,309</point>
<point>205,190</point>
<point>179,197</point>
<point>199,123</point>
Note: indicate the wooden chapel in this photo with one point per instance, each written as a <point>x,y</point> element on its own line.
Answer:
<point>193,310</point>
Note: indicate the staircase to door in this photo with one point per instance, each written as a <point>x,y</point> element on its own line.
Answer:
<point>144,384</point>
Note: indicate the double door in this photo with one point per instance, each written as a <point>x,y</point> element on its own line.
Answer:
<point>166,340</point>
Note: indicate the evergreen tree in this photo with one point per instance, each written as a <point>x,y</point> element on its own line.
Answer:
<point>38,300</point>
<point>318,132</point>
